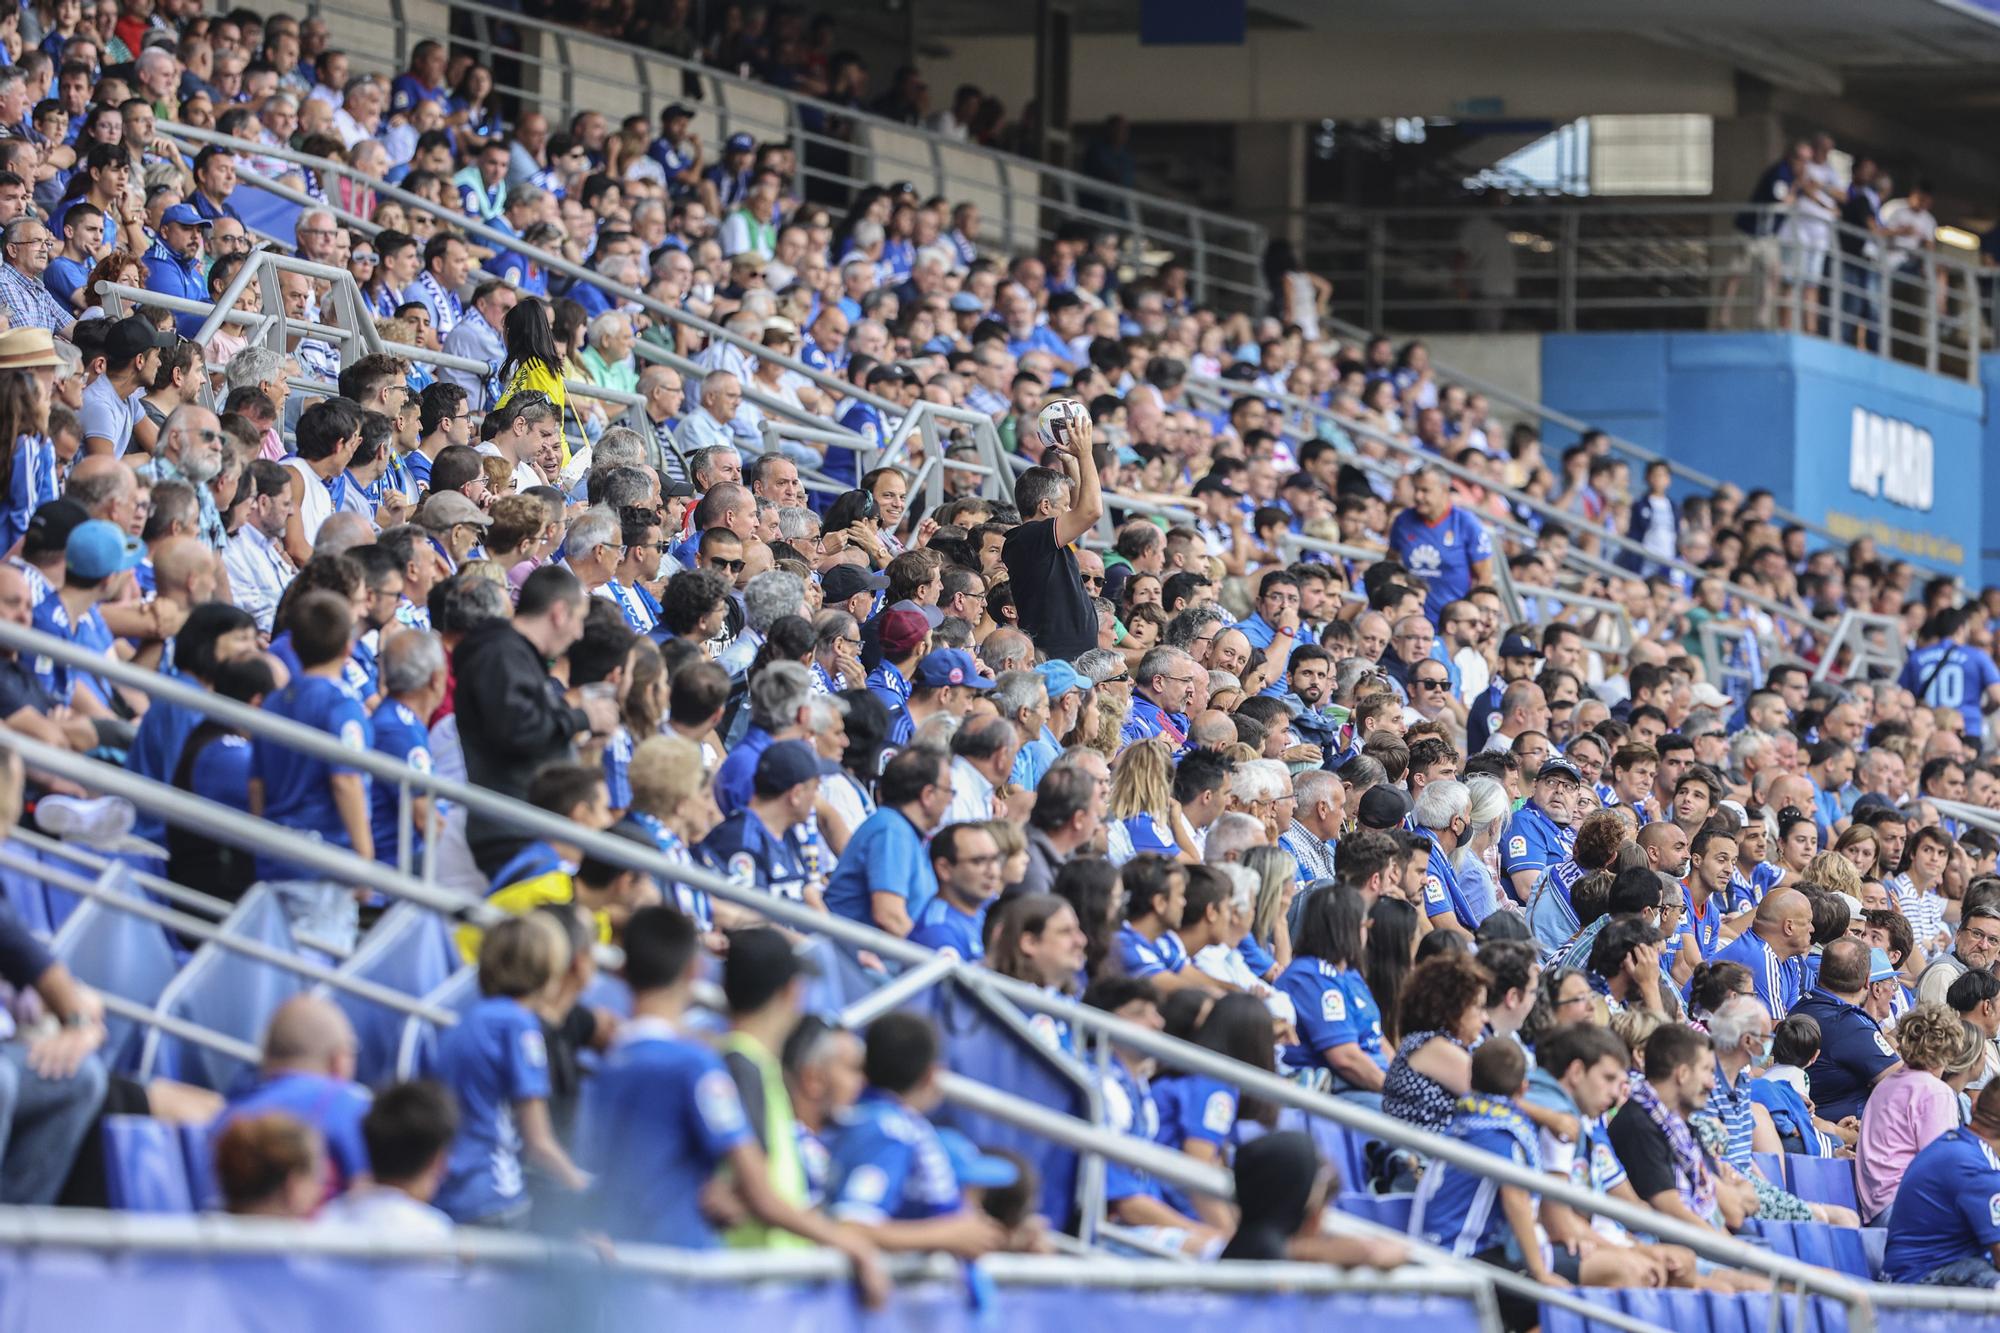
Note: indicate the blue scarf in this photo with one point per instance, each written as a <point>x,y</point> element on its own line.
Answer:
<point>1478,1114</point>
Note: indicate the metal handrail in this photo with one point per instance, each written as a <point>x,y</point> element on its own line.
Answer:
<point>228,826</point>
<point>1196,233</point>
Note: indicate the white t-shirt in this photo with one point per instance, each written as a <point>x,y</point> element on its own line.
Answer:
<point>1898,215</point>
<point>387,1213</point>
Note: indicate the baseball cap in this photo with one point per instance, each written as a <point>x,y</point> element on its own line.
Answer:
<point>676,490</point>
<point>760,963</point>
<point>932,616</point>
<point>1879,967</point>
<point>891,373</point>
<point>902,631</point>
<point>1212,484</point>
<point>1707,696</point>
<point>184,215</point>
<point>1061,678</point>
<point>739,143</point>
<point>950,666</point>
<point>131,336</point>
<point>975,1169</point>
<point>1519,645</point>
<point>965,303</point>
<point>783,766</point>
<point>1382,807</point>
<point>843,581</point>
<point>97,550</point>
<point>1558,767</point>
<point>448,509</point>
<point>677,109</point>
<point>51,525</point>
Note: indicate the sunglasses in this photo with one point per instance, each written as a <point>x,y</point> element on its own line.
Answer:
<point>733,566</point>
<point>1432,684</point>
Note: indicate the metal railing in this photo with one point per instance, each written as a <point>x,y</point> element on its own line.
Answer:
<point>230,827</point>
<point>563,72</point>
<point>1552,266</point>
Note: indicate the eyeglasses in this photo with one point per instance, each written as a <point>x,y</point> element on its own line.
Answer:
<point>1574,999</point>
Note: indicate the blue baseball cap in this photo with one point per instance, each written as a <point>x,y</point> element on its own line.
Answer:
<point>97,550</point>
<point>949,666</point>
<point>1879,967</point>
<point>739,143</point>
<point>783,766</point>
<point>975,1169</point>
<point>965,303</point>
<point>184,215</point>
<point>1061,678</point>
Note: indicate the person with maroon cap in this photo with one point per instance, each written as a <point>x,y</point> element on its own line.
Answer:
<point>904,634</point>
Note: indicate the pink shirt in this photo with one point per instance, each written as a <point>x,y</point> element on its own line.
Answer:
<point>1904,1113</point>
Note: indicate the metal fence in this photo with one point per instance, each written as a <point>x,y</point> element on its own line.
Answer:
<point>1548,266</point>
<point>563,71</point>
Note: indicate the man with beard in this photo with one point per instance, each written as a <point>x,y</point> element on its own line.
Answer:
<point>1542,833</point>
<point>190,449</point>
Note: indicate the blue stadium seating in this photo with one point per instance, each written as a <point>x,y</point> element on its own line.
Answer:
<point>1822,1179</point>
<point>1389,1210</point>
<point>417,1048</point>
<point>195,1150</point>
<point>410,951</point>
<point>145,1169</point>
<point>121,955</point>
<point>226,992</point>
<point>1773,1166</point>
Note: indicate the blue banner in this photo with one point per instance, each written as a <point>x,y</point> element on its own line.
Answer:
<point>1853,442</point>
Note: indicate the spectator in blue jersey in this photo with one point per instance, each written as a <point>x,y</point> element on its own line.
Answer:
<point>1163,687</point>
<point>173,265</point>
<point>884,877</point>
<point>1135,1198</point>
<point>310,795</point>
<point>413,677</point>
<point>1855,1054</point>
<point>903,633</point>
<point>891,1175</point>
<point>1339,1022</point>
<point>1944,1230</point>
<point>495,1061</point>
<point>1779,938</point>
<point>96,556</point>
<point>778,699</point>
<point>308,1072</point>
<point>1948,672</point>
<point>1440,543</point>
<point>944,681</point>
<point>1474,1216</point>
<point>1541,834</point>
<point>662,1116</point>
<point>1146,944</point>
<point>760,843</point>
<point>967,861</point>
<point>422,82</point>
<point>1443,811</point>
<point>1204,1116</point>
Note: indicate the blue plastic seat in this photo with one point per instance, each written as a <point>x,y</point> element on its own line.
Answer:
<point>1874,1243</point>
<point>145,1169</point>
<point>416,1050</point>
<point>120,954</point>
<point>1389,1210</point>
<point>226,992</point>
<point>1772,1164</point>
<point>409,951</point>
<point>1822,1179</point>
<point>197,1153</point>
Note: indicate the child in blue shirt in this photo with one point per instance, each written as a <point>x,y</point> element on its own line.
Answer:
<point>1199,1114</point>
<point>496,1063</point>
<point>309,795</point>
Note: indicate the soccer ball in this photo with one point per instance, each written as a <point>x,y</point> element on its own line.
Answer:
<point>1057,423</point>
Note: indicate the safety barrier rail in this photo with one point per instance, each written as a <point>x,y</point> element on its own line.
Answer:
<point>229,827</point>
<point>564,71</point>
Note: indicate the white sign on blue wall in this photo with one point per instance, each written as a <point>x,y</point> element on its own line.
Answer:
<point>1891,460</point>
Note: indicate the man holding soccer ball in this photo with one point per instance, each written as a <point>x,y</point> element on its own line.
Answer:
<point>1059,502</point>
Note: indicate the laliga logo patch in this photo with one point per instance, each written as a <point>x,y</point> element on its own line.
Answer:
<point>1332,1007</point>
<point>1993,1209</point>
<point>1517,847</point>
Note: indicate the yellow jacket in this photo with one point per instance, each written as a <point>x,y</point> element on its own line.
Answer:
<point>536,377</point>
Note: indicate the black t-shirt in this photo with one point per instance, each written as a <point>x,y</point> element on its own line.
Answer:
<point>1643,1151</point>
<point>19,689</point>
<point>1048,591</point>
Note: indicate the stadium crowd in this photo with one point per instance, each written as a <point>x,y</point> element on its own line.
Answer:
<point>1289,770</point>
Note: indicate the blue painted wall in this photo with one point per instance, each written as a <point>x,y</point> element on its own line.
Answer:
<point>1845,439</point>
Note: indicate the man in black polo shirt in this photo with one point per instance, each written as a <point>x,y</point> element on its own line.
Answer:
<point>1057,509</point>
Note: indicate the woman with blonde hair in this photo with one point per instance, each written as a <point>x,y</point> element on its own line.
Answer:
<point>1143,814</point>
<point>673,803</point>
<point>1267,949</point>
<point>1490,809</point>
<point>1910,1106</point>
<point>1832,872</point>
